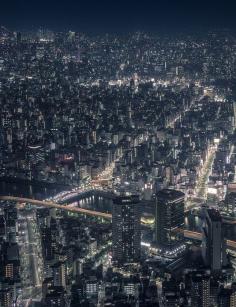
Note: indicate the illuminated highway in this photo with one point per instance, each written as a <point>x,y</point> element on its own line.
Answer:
<point>49,204</point>
<point>201,188</point>
<point>198,236</point>
<point>188,234</point>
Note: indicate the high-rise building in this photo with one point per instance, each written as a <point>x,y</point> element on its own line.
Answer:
<point>231,203</point>
<point>230,199</point>
<point>169,217</point>
<point>213,246</point>
<point>2,225</point>
<point>200,289</point>
<point>6,296</point>
<point>18,37</point>
<point>91,287</point>
<point>170,293</point>
<point>35,154</point>
<point>126,238</point>
<point>233,295</point>
<point>59,274</point>
<point>227,297</point>
<point>55,297</point>
<point>224,297</point>
<point>234,113</point>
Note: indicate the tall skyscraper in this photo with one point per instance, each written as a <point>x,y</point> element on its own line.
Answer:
<point>169,217</point>
<point>126,239</point>
<point>213,246</point>
<point>230,199</point>
<point>200,290</point>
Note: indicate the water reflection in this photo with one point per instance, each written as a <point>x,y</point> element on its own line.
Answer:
<point>94,202</point>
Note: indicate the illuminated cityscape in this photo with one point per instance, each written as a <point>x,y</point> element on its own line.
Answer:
<point>117,155</point>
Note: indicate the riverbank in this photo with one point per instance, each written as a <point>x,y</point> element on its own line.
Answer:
<point>29,188</point>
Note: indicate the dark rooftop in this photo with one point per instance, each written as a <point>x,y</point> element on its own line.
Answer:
<point>169,194</point>
<point>132,199</point>
<point>214,215</point>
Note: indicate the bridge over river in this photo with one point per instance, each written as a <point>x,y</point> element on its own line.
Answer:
<point>48,204</point>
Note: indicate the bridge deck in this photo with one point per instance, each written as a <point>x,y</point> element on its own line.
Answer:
<point>48,204</point>
<point>188,234</point>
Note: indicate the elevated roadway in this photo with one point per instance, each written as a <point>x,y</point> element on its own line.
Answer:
<point>49,204</point>
<point>193,235</point>
<point>188,234</point>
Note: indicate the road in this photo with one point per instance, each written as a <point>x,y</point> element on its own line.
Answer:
<point>187,234</point>
<point>198,236</point>
<point>31,258</point>
<point>33,254</point>
<point>203,179</point>
<point>201,186</point>
<point>49,204</point>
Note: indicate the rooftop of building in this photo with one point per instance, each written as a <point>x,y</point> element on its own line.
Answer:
<point>214,215</point>
<point>132,199</point>
<point>169,194</point>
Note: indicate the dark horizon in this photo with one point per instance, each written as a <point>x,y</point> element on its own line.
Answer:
<point>104,17</point>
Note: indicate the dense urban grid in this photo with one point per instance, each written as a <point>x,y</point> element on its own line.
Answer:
<point>135,134</point>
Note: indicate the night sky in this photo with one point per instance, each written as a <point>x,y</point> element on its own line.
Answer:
<point>118,15</point>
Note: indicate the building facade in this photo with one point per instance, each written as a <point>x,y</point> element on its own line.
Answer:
<point>126,237</point>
